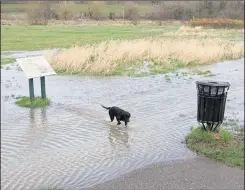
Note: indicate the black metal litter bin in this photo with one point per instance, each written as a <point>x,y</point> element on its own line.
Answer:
<point>211,98</point>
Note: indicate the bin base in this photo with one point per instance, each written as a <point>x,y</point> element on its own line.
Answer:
<point>208,126</point>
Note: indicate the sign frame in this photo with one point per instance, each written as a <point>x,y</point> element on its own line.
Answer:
<point>36,67</point>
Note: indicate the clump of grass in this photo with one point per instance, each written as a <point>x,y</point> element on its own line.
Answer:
<point>166,54</point>
<point>221,146</point>
<point>206,73</point>
<point>54,188</point>
<point>38,102</point>
<point>7,61</point>
<point>167,78</point>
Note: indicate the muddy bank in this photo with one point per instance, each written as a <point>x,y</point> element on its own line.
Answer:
<point>72,143</point>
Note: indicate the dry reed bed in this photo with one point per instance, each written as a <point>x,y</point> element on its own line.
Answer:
<point>217,22</point>
<point>193,31</point>
<point>105,57</point>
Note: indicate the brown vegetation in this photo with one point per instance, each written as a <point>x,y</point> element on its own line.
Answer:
<point>217,23</point>
<point>42,11</point>
<point>107,56</point>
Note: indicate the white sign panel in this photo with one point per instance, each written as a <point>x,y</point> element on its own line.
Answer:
<point>35,67</point>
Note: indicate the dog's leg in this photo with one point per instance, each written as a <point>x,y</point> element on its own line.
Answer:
<point>111,115</point>
<point>118,121</point>
<point>126,123</point>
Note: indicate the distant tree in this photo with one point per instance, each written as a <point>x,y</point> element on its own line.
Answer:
<point>222,5</point>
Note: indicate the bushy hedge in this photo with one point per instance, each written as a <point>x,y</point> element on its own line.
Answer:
<point>217,23</point>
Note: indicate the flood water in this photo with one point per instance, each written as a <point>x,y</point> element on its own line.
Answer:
<point>72,143</point>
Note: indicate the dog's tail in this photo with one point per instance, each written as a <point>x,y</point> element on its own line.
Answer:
<point>105,107</point>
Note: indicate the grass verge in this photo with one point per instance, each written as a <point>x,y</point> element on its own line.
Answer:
<point>7,61</point>
<point>38,102</point>
<point>221,146</point>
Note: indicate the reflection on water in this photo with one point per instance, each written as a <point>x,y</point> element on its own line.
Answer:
<point>43,115</point>
<point>33,113</point>
<point>118,136</point>
<point>72,144</point>
<point>32,117</point>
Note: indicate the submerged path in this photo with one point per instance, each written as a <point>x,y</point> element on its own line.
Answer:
<point>72,143</point>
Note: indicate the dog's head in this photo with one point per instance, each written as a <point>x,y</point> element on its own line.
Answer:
<point>127,116</point>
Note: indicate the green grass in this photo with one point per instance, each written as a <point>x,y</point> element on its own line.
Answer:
<point>221,146</point>
<point>7,61</point>
<point>54,188</point>
<point>206,73</point>
<point>31,37</point>
<point>132,69</point>
<point>38,102</point>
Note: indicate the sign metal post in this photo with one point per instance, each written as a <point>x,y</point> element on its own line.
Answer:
<point>36,67</point>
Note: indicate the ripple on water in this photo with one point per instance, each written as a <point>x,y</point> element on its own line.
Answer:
<point>73,144</point>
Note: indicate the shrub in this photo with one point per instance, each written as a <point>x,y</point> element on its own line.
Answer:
<point>132,13</point>
<point>184,10</point>
<point>157,13</point>
<point>64,12</point>
<point>217,23</point>
<point>112,15</point>
<point>178,13</point>
<point>94,12</point>
<point>40,14</point>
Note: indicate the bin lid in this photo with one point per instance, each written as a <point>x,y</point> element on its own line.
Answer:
<point>213,83</point>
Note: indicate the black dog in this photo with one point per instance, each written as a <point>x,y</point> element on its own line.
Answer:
<point>120,114</point>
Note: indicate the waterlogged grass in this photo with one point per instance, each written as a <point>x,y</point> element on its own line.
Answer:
<point>221,146</point>
<point>38,102</point>
<point>136,69</point>
<point>206,73</point>
<point>7,61</point>
<point>55,188</point>
<point>31,37</point>
<point>129,57</point>
<point>144,68</point>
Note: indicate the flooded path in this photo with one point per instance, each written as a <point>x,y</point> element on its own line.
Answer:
<point>72,143</point>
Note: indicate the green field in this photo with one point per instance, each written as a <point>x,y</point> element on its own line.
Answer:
<point>30,37</point>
